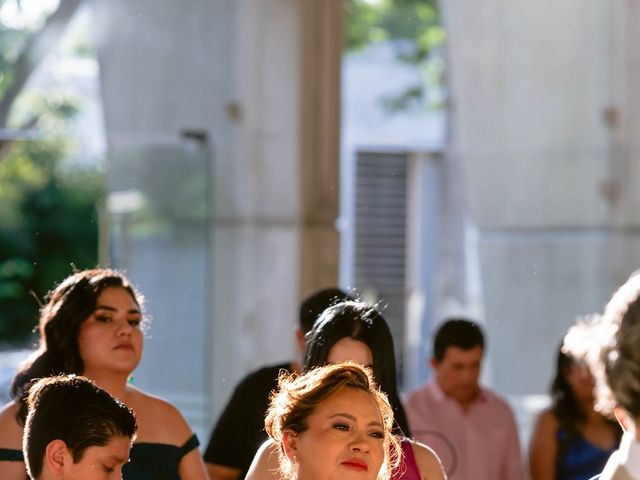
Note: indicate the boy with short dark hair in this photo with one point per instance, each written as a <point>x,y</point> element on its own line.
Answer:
<point>76,431</point>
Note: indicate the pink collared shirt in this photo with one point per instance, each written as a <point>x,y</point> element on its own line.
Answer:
<point>479,444</point>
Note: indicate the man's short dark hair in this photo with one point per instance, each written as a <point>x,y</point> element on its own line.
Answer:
<point>72,409</point>
<point>457,332</point>
<point>313,306</point>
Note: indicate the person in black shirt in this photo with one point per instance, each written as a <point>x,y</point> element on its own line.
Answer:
<point>240,429</point>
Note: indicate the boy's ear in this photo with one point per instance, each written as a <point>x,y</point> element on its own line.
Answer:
<point>290,444</point>
<point>55,456</point>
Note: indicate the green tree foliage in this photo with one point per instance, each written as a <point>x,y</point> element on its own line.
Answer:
<point>48,217</point>
<point>414,20</point>
<point>48,224</point>
<point>415,25</point>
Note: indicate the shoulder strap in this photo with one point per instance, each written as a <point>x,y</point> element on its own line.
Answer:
<point>9,455</point>
<point>189,445</point>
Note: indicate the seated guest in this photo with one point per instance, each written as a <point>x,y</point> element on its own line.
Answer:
<point>332,422</point>
<point>239,431</point>
<point>355,331</point>
<point>75,431</point>
<point>615,363</point>
<point>472,429</point>
<point>92,325</point>
<point>571,440</point>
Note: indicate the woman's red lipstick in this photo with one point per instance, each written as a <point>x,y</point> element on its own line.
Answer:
<point>356,464</point>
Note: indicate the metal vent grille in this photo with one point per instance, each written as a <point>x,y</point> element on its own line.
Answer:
<point>380,234</point>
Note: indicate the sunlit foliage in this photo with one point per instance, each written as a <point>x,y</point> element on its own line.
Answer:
<point>416,27</point>
<point>48,218</point>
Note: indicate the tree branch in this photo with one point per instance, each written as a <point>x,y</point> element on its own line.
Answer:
<point>35,49</point>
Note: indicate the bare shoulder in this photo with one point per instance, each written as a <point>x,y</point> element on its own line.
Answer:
<point>546,422</point>
<point>428,462</point>
<point>10,429</point>
<point>265,463</point>
<point>158,419</point>
<point>544,434</point>
<point>151,403</point>
<point>543,447</point>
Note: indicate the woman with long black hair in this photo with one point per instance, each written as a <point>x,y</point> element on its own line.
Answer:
<point>355,331</point>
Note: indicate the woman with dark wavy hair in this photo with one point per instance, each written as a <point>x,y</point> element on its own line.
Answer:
<point>571,440</point>
<point>91,325</point>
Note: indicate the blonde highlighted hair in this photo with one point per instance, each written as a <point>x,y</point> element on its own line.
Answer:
<point>299,395</point>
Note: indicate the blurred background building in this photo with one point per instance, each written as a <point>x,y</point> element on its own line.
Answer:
<point>233,156</point>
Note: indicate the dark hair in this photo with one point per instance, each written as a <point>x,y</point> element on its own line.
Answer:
<point>312,307</point>
<point>298,396</point>
<point>618,370</point>
<point>362,322</point>
<point>72,409</point>
<point>68,305</point>
<point>564,405</point>
<point>457,332</point>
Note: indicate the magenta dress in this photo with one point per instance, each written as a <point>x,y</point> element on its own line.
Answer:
<point>408,468</point>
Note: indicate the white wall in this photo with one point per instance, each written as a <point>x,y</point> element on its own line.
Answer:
<point>531,84</point>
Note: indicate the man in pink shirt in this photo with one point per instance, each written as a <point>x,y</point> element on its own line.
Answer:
<point>472,429</point>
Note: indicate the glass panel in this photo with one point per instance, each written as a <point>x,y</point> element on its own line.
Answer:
<point>158,212</point>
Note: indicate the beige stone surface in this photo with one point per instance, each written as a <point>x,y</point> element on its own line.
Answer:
<point>545,121</point>
<point>261,78</point>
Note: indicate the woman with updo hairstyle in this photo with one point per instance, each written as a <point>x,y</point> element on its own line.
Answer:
<point>615,361</point>
<point>332,423</point>
<point>355,331</point>
<point>92,325</point>
<point>617,366</point>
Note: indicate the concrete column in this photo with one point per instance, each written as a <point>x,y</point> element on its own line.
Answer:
<point>531,85</point>
<point>622,117</point>
<point>261,78</point>
<point>323,38</point>
<point>279,241</point>
<point>164,69</point>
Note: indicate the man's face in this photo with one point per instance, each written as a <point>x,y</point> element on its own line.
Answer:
<point>458,373</point>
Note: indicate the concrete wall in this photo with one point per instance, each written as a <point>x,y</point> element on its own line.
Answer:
<point>534,88</point>
<point>260,78</point>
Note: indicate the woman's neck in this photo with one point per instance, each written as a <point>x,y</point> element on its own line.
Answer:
<point>114,383</point>
<point>590,415</point>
